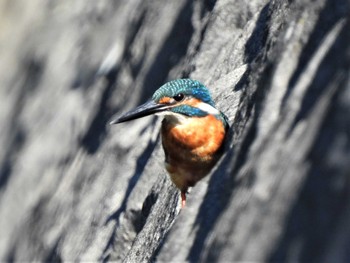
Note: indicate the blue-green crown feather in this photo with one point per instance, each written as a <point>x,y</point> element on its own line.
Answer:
<point>191,88</point>
<point>188,87</point>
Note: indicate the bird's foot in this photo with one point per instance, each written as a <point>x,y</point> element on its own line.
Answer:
<point>183,199</point>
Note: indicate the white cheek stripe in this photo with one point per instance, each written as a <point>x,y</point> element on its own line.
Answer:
<point>207,108</point>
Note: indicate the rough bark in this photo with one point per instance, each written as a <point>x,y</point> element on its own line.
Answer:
<point>73,188</point>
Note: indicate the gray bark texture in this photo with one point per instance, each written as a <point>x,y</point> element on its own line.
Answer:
<point>73,188</point>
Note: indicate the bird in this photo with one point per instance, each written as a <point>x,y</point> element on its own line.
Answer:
<point>193,130</point>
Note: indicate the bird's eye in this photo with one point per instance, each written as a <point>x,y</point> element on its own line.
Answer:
<point>179,97</point>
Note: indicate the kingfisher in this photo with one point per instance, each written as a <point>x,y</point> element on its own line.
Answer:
<point>193,130</point>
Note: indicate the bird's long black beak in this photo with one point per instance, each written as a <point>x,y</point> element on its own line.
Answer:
<point>143,110</point>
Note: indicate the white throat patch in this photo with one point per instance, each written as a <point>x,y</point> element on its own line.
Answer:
<point>181,119</point>
<point>173,117</point>
<point>207,108</point>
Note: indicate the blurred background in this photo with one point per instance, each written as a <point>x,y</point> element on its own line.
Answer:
<point>74,188</point>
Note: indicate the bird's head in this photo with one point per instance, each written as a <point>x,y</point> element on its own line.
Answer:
<point>184,97</point>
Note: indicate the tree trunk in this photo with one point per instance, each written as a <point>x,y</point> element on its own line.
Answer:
<point>73,188</point>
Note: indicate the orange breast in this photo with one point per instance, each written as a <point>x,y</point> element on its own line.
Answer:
<point>191,146</point>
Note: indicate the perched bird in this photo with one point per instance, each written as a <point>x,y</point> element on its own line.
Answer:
<point>193,130</point>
